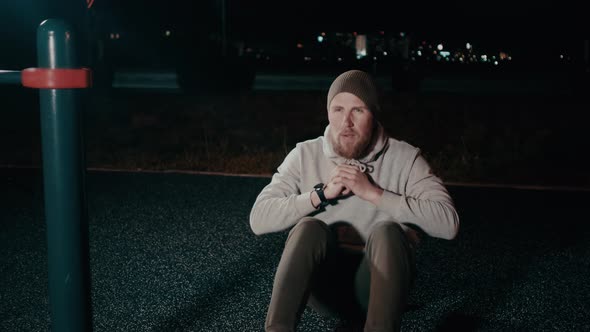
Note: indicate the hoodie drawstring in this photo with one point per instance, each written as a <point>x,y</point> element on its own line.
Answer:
<point>360,165</point>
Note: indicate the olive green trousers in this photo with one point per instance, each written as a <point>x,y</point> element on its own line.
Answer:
<point>371,285</point>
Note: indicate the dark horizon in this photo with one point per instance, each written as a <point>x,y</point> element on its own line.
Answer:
<point>527,25</point>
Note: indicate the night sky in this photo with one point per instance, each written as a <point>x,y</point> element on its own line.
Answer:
<point>527,23</point>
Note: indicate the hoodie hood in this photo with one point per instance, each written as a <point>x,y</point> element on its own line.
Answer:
<point>377,146</point>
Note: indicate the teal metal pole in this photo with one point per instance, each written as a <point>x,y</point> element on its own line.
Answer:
<point>64,185</point>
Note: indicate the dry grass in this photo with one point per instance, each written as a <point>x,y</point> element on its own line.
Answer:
<point>507,139</point>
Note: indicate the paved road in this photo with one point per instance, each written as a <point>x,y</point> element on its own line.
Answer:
<point>174,252</point>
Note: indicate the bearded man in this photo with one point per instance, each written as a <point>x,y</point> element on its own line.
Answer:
<point>352,186</point>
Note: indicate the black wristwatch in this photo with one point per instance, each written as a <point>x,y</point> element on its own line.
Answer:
<point>319,189</point>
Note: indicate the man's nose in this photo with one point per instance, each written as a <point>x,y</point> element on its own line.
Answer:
<point>348,119</point>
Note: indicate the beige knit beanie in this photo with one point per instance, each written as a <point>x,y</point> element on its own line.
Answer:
<point>359,84</point>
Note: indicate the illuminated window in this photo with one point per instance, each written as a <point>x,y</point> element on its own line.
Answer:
<point>361,46</point>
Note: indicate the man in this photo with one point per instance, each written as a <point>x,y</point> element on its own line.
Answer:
<point>354,175</point>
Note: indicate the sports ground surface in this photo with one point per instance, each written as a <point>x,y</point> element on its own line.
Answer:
<point>174,252</point>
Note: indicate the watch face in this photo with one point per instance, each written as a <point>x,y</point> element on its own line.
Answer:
<point>318,186</point>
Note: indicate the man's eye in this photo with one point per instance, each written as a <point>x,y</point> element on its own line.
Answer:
<point>359,110</point>
<point>336,109</point>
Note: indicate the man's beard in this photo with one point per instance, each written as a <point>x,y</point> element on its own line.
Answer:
<point>355,150</point>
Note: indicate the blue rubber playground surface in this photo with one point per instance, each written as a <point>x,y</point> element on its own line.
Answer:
<point>174,252</point>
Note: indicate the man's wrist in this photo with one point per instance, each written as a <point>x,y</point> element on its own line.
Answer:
<point>315,199</point>
<point>319,193</point>
<point>376,195</point>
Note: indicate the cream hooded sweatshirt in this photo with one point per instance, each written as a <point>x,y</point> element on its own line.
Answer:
<point>413,195</point>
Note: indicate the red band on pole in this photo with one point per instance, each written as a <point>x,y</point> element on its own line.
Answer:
<point>61,78</point>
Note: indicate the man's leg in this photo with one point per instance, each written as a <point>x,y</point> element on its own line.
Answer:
<point>391,270</point>
<point>305,249</point>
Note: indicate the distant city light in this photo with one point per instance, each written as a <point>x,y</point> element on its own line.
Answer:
<point>378,46</point>
<point>167,33</point>
<point>361,46</point>
<point>561,56</point>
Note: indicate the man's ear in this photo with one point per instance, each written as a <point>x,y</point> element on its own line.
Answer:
<point>375,121</point>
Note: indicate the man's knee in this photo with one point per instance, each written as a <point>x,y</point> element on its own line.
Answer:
<point>387,233</point>
<point>312,233</point>
<point>310,228</point>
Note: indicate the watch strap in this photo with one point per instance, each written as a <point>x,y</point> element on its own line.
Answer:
<point>319,189</point>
